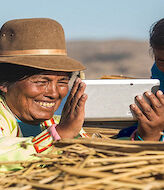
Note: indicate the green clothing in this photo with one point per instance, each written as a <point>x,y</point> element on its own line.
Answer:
<point>13,146</point>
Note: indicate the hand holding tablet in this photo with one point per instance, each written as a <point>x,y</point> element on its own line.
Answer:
<point>109,100</point>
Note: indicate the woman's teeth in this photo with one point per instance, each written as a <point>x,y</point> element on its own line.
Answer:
<point>46,104</point>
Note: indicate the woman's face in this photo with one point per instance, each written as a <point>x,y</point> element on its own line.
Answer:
<point>37,97</point>
<point>159,58</point>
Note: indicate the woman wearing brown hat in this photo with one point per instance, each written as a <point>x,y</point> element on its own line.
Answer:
<point>34,75</point>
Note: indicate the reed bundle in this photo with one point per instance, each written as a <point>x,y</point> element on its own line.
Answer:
<point>91,164</point>
<point>116,77</point>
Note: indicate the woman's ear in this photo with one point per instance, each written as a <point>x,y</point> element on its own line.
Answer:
<point>3,88</point>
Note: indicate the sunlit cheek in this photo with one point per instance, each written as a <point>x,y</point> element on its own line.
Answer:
<point>34,92</point>
<point>63,91</point>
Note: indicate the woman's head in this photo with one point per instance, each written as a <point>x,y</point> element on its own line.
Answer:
<point>157,43</point>
<point>33,95</point>
<point>34,67</point>
<point>157,35</point>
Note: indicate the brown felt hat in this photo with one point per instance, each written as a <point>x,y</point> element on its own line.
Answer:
<point>36,42</point>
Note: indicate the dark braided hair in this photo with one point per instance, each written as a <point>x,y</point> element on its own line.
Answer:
<point>157,35</point>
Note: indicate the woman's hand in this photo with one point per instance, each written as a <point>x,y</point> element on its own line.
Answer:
<point>73,112</point>
<point>150,118</point>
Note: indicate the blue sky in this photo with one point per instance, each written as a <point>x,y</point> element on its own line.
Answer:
<point>91,19</point>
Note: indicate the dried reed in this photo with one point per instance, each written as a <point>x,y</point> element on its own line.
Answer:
<point>91,164</point>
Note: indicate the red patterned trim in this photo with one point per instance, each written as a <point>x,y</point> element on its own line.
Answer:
<point>35,138</point>
<point>18,132</point>
<point>52,121</point>
<point>36,145</point>
<point>45,123</point>
<point>4,106</point>
<point>48,123</point>
<point>85,135</point>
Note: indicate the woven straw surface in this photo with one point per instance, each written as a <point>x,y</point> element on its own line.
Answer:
<point>91,164</point>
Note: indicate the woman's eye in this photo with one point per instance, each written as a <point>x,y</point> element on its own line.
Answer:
<point>63,82</point>
<point>40,82</point>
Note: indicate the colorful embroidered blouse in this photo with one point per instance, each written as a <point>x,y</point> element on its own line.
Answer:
<point>13,146</point>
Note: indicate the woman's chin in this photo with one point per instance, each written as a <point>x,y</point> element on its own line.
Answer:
<point>41,117</point>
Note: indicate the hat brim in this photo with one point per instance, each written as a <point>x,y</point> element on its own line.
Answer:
<point>46,62</point>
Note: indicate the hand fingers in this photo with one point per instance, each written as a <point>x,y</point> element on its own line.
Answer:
<point>81,103</point>
<point>138,113</point>
<point>67,106</point>
<point>78,95</point>
<point>74,89</point>
<point>160,96</point>
<point>146,108</point>
<point>155,102</point>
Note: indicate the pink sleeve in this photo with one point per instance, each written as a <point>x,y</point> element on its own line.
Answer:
<point>133,135</point>
<point>53,132</point>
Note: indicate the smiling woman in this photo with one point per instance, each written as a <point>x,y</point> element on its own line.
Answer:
<point>35,97</point>
<point>34,78</point>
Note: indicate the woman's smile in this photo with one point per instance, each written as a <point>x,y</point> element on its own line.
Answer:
<point>46,104</point>
<point>37,97</point>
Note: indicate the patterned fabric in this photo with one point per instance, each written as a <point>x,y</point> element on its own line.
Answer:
<point>13,146</point>
<point>8,123</point>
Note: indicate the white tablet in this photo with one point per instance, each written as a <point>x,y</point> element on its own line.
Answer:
<point>109,99</point>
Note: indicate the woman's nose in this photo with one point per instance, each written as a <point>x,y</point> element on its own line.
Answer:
<point>52,90</point>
